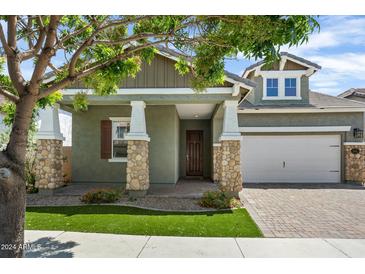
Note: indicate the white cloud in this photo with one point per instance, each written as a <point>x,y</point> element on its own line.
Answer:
<point>343,65</point>
<point>338,69</point>
<point>334,31</point>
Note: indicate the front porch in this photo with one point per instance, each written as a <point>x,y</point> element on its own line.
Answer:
<point>148,148</point>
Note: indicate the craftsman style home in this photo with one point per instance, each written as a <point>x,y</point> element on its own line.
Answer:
<point>265,126</point>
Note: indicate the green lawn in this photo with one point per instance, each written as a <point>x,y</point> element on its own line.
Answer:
<point>135,221</point>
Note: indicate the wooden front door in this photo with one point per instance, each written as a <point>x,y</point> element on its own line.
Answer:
<point>194,153</point>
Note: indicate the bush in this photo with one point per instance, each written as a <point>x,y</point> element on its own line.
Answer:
<point>219,200</point>
<point>97,196</point>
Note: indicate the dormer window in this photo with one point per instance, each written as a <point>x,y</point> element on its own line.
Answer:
<point>281,85</point>
<point>272,87</point>
<point>290,87</point>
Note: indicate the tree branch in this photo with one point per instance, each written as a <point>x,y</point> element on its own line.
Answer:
<point>12,21</point>
<point>9,95</point>
<point>13,60</point>
<point>47,52</point>
<point>33,50</point>
<point>100,28</point>
<point>91,69</point>
<point>6,47</point>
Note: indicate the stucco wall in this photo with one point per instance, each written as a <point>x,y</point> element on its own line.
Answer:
<point>217,124</point>
<point>161,126</point>
<point>353,119</point>
<point>177,146</point>
<point>86,163</point>
<point>255,97</point>
<point>204,125</point>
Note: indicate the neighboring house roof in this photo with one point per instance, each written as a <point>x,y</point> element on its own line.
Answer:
<point>287,55</point>
<point>360,92</point>
<point>316,101</point>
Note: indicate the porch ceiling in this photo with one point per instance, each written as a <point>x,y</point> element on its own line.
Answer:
<point>195,111</point>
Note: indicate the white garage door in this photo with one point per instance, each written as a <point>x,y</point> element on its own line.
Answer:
<point>291,159</point>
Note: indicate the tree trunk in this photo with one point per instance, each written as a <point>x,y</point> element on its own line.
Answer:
<point>12,183</point>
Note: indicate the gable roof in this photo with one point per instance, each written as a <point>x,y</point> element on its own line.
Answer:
<point>230,77</point>
<point>316,101</point>
<point>288,56</point>
<point>360,92</point>
<point>174,55</point>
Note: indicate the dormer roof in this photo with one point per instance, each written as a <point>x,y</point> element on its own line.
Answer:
<point>284,56</point>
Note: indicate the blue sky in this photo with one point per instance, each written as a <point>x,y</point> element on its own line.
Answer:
<point>339,48</point>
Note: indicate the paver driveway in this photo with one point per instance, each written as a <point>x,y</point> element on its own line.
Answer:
<point>326,211</point>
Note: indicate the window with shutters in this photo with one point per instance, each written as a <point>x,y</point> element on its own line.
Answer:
<point>120,126</point>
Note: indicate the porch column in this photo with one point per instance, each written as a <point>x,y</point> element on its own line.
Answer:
<point>138,179</point>
<point>230,178</point>
<point>217,162</point>
<point>48,167</point>
<point>354,162</point>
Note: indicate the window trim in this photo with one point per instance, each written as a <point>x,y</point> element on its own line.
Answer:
<point>117,159</point>
<point>281,76</point>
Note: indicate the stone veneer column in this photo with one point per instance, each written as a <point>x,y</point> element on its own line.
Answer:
<point>48,166</point>
<point>230,178</point>
<point>354,162</point>
<point>217,162</point>
<point>138,179</point>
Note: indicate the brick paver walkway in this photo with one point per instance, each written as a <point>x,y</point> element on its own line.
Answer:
<point>327,211</point>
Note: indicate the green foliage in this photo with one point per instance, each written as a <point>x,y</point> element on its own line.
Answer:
<point>182,66</point>
<point>147,54</point>
<point>106,81</point>
<point>49,100</point>
<point>219,200</point>
<point>98,196</point>
<point>80,102</point>
<point>124,45</point>
<point>8,109</point>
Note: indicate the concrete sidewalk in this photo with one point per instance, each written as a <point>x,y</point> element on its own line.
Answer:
<point>55,244</point>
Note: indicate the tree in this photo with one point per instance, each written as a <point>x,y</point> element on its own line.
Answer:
<point>102,50</point>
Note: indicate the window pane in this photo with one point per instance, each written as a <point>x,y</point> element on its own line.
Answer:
<point>272,87</point>
<point>293,82</point>
<point>120,129</point>
<point>272,91</point>
<point>290,92</point>
<point>120,148</point>
<point>269,83</point>
<point>290,87</point>
<point>275,83</point>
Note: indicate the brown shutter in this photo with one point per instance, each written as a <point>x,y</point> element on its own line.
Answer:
<point>106,139</point>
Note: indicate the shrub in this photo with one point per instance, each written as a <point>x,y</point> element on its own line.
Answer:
<point>97,196</point>
<point>219,200</point>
